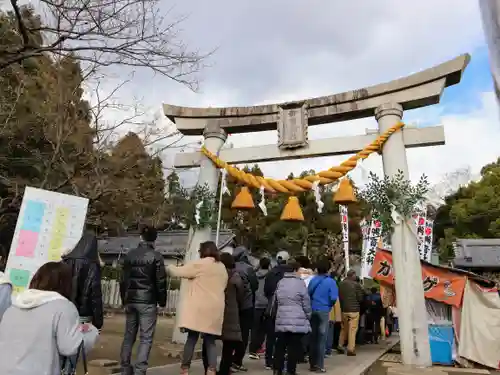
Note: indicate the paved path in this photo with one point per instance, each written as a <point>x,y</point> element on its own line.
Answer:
<point>336,364</point>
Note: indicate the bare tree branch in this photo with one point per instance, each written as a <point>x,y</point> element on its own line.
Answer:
<point>133,33</point>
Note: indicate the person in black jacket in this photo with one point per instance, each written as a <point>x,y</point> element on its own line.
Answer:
<point>86,291</point>
<point>143,287</point>
<point>86,274</point>
<point>250,284</point>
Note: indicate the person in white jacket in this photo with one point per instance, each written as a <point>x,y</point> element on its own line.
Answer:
<point>305,272</point>
<point>42,325</point>
<point>5,294</point>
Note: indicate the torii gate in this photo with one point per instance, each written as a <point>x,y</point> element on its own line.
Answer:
<point>386,102</point>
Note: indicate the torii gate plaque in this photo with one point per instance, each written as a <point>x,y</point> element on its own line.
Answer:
<point>384,101</point>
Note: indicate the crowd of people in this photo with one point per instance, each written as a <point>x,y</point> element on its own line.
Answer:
<point>300,313</point>
<point>292,312</point>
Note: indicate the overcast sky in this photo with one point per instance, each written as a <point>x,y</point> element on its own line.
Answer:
<point>272,51</point>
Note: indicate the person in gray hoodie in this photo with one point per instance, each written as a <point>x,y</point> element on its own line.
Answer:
<point>42,325</point>
<point>250,284</point>
<point>261,301</point>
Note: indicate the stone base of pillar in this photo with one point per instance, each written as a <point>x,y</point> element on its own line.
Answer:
<point>399,369</point>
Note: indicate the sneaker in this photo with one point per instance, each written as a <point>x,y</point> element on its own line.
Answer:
<point>253,356</point>
<point>351,354</point>
<point>237,368</point>
<point>318,369</point>
<point>268,367</point>
<point>340,350</point>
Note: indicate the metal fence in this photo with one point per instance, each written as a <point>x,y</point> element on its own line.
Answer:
<point>111,297</point>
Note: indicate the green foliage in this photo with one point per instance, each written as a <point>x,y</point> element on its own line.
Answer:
<point>393,193</point>
<point>207,211</point>
<point>174,283</point>
<point>471,212</point>
<point>111,273</point>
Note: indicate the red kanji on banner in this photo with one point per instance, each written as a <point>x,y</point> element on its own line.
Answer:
<point>377,224</point>
<point>428,231</point>
<point>421,221</point>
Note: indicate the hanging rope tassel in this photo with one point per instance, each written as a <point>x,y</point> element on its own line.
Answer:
<point>292,210</point>
<point>244,200</point>
<point>345,193</point>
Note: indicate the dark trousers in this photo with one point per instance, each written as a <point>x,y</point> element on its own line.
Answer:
<point>226,360</point>
<point>258,331</point>
<point>139,318</point>
<point>246,320</point>
<point>317,340</point>
<point>305,347</point>
<point>336,334</point>
<point>270,341</point>
<point>373,326</point>
<point>290,343</point>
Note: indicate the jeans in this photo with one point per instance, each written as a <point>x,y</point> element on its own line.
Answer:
<point>139,317</point>
<point>246,320</point>
<point>290,343</point>
<point>319,329</point>
<point>209,351</point>
<point>226,360</point>
<point>258,331</point>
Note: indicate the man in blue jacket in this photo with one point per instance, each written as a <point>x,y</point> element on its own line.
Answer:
<point>323,292</point>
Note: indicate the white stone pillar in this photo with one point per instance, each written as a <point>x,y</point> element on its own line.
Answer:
<point>214,138</point>
<point>413,331</point>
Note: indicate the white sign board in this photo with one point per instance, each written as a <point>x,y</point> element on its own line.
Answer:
<point>48,224</point>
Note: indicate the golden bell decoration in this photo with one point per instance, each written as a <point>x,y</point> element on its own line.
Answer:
<point>243,200</point>
<point>345,193</point>
<point>292,210</point>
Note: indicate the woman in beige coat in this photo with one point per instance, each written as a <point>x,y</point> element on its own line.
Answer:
<point>202,309</point>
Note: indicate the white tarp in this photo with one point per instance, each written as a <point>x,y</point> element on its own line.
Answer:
<point>480,327</point>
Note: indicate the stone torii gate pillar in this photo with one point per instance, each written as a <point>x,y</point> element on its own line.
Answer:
<point>415,349</point>
<point>214,138</point>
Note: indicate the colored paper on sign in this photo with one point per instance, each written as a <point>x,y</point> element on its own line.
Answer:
<point>33,216</point>
<point>26,244</point>
<point>439,284</point>
<point>19,278</point>
<point>60,221</point>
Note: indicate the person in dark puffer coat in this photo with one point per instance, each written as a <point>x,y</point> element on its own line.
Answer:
<point>231,328</point>
<point>251,284</point>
